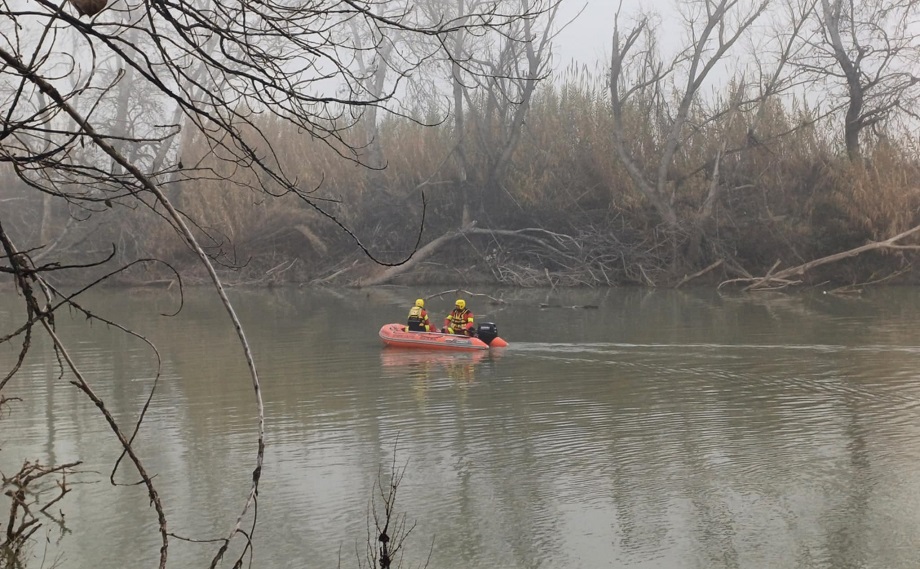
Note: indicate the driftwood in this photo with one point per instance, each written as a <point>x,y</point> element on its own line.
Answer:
<point>790,276</point>
<point>329,278</point>
<point>856,288</point>
<point>420,255</point>
<point>459,291</point>
<point>689,278</point>
<point>428,250</point>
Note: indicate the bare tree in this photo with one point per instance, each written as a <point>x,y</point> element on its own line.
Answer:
<point>386,541</point>
<point>865,55</point>
<point>74,128</point>
<point>493,79</point>
<point>646,91</point>
<point>510,79</point>
<point>374,61</point>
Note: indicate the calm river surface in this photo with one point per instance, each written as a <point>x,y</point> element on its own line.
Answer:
<point>675,429</point>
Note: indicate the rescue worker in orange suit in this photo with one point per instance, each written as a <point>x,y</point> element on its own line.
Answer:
<point>418,318</point>
<point>460,320</point>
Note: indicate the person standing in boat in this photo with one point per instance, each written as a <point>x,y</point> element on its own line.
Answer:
<point>418,318</point>
<point>460,320</point>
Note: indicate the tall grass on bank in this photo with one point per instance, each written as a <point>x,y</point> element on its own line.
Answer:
<point>787,192</point>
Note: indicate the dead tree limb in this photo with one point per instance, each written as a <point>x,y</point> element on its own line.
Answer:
<point>689,278</point>
<point>786,277</point>
<point>420,255</point>
<point>431,248</point>
<point>184,230</point>
<point>464,292</point>
<point>856,288</point>
<point>27,491</point>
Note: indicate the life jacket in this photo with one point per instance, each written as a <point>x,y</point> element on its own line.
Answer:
<point>459,318</point>
<point>417,319</point>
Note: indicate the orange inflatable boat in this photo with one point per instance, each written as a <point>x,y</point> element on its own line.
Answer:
<point>486,337</point>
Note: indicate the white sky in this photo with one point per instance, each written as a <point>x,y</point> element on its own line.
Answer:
<point>587,39</point>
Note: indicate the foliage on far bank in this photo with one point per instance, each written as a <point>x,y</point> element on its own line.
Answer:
<point>789,194</point>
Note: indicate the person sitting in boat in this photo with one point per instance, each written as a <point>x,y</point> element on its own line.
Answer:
<point>460,320</point>
<point>418,318</point>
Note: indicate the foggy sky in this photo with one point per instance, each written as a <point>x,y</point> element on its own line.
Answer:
<point>586,40</point>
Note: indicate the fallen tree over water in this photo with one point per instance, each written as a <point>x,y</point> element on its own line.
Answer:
<point>795,275</point>
<point>534,256</point>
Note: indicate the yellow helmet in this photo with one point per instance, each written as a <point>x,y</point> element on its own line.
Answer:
<point>420,303</point>
<point>461,304</point>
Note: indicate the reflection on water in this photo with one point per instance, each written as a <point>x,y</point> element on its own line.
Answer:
<point>663,429</point>
<point>433,369</point>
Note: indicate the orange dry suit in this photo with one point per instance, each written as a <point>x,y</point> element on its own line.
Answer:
<point>459,321</point>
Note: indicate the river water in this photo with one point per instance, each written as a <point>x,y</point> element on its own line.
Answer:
<point>621,428</point>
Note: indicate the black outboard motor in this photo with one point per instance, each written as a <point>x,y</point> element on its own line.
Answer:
<point>487,331</point>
